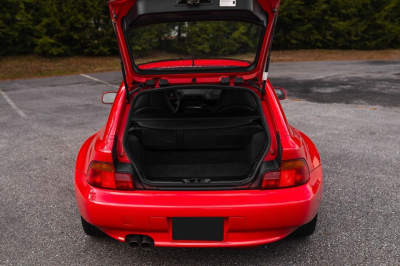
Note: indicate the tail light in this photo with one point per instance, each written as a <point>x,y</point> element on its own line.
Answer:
<point>292,173</point>
<point>103,175</point>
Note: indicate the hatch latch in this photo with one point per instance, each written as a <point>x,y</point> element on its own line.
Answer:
<point>196,181</point>
<point>193,2</point>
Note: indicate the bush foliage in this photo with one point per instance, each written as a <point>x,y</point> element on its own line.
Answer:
<point>83,27</point>
<point>205,38</point>
<point>338,24</point>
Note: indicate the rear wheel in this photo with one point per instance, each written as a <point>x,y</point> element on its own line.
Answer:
<point>307,229</point>
<point>91,230</point>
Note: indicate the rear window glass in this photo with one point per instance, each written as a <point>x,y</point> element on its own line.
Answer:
<point>195,44</point>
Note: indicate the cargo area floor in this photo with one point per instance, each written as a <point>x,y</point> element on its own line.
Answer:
<point>158,172</point>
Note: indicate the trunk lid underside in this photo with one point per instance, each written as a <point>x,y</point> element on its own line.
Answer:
<point>170,28</point>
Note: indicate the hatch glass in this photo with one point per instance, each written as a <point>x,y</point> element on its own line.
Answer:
<point>192,45</point>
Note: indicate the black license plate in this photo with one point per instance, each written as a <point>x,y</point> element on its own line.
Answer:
<point>198,228</point>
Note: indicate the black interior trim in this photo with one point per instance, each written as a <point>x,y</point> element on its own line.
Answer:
<point>154,103</point>
<point>128,168</point>
<point>242,184</point>
<point>150,10</point>
<point>269,166</point>
<point>194,123</point>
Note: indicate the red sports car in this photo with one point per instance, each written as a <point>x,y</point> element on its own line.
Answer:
<point>197,151</point>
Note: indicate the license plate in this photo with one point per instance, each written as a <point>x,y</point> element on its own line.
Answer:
<point>198,228</point>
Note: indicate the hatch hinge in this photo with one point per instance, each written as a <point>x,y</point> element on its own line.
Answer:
<point>163,82</point>
<point>238,81</point>
<point>233,79</point>
<point>150,82</point>
<point>225,81</point>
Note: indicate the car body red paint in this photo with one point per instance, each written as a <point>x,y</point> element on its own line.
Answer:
<point>251,217</point>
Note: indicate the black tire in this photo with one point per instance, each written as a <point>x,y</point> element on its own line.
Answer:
<point>307,229</point>
<point>91,230</point>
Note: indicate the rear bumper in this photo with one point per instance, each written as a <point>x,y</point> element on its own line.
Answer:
<point>252,217</point>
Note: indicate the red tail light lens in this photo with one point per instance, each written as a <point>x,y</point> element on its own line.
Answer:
<point>103,175</point>
<point>123,181</point>
<point>292,173</point>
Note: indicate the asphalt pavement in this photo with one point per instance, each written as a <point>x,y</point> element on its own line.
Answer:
<point>351,110</point>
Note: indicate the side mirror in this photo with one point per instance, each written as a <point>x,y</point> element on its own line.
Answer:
<point>280,93</point>
<point>108,97</point>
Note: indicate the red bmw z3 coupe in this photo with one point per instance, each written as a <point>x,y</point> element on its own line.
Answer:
<point>197,151</point>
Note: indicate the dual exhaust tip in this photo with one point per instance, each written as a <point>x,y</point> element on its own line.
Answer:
<point>139,241</point>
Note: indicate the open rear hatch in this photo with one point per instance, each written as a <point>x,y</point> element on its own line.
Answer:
<point>186,45</point>
<point>178,40</point>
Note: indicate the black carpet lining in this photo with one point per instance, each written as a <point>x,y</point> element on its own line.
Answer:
<point>160,172</point>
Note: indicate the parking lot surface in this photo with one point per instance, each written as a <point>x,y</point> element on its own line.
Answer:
<point>351,110</point>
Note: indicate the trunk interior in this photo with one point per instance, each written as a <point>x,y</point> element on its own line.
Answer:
<point>196,138</point>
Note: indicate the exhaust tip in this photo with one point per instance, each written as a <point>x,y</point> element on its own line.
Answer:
<point>147,243</point>
<point>135,241</point>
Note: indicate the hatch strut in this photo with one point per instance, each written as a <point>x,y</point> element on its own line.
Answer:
<point>264,83</point>
<point>150,82</point>
<point>226,80</point>
<point>270,46</point>
<point>124,77</point>
<point>122,66</point>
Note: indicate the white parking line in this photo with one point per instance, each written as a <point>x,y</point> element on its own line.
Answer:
<point>12,104</point>
<point>95,79</point>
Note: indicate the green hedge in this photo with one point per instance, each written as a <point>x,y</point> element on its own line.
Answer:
<point>83,27</point>
<point>56,27</point>
<point>338,24</point>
